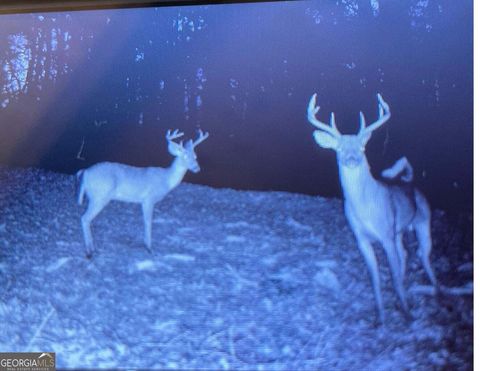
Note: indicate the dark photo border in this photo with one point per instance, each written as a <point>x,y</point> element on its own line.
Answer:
<point>31,6</point>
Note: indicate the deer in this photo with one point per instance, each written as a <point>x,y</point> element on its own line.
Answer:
<point>378,211</point>
<point>107,181</point>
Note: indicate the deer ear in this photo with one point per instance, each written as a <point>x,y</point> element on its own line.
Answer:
<point>325,140</point>
<point>175,149</point>
<point>365,137</point>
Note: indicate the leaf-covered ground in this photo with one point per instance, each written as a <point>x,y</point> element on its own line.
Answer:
<point>244,280</point>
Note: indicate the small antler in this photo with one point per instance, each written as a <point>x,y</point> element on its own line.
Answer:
<point>201,137</point>
<point>312,111</point>
<point>383,116</point>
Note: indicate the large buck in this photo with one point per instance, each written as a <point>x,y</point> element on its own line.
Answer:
<point>378,211</point>
<point>109,181</point>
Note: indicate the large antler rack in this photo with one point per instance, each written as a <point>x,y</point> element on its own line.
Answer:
<point>311,114</point>
<point>383,116</point>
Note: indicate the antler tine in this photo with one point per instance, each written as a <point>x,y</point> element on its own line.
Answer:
<point>362,121</point>
<point>332,122</point>
<point>383,115</point>
<point>312,111</point>
<point>176,134</point>
<point>201,137</point>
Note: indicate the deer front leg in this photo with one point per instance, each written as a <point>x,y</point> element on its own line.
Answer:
<point>396,271</point>
<point>368,253</point>
<point>402,255</point>
<point>147,208</point>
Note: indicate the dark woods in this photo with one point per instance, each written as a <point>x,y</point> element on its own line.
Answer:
<point>82,87</point>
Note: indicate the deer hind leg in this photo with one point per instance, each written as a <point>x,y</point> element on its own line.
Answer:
<point>94,207</point>
<point>402,255</point>
<point>147,220</point>
<point>396,270</point>
<point>368,253</point>
<point>422,230</point>
<point>421,224</point>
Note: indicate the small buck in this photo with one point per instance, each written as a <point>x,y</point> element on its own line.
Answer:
<point>109,181</point>
<point>378,211</point>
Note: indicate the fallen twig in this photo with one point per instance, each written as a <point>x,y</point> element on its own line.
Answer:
<point>40,328</point>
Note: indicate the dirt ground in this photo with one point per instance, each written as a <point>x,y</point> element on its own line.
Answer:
<point>236,280</point>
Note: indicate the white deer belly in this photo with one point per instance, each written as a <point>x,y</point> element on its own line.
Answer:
<point>131,193</point>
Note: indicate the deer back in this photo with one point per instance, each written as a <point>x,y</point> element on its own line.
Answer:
<point>125,183</point>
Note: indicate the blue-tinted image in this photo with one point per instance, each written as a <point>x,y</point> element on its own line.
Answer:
<point>282,186</point>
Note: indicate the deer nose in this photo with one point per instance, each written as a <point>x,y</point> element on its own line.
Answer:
<point>196,169</point>
<point>352,161</point>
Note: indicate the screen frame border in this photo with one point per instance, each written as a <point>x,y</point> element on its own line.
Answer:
<point>32,6</point>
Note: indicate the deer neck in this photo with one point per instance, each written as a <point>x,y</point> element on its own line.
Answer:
<point>358,183</point>
<point>176,172</point>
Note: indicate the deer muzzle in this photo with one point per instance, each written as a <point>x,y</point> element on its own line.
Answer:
<point>195,169</point>
<point>351,161</point>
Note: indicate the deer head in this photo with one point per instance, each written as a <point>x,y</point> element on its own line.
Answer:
<point>185,154</point>
<point>350,148</point>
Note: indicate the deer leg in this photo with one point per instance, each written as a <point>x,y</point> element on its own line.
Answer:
<point>94,207</point>
<point>395,268</point>
<point>370,259</point>
<point>147,220</point>
<point>421,224</point>
<point>402,255</point>
<point>422,230</point>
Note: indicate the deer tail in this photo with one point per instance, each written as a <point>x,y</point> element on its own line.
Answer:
<point>403,168</point>
<point>81,187</point>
